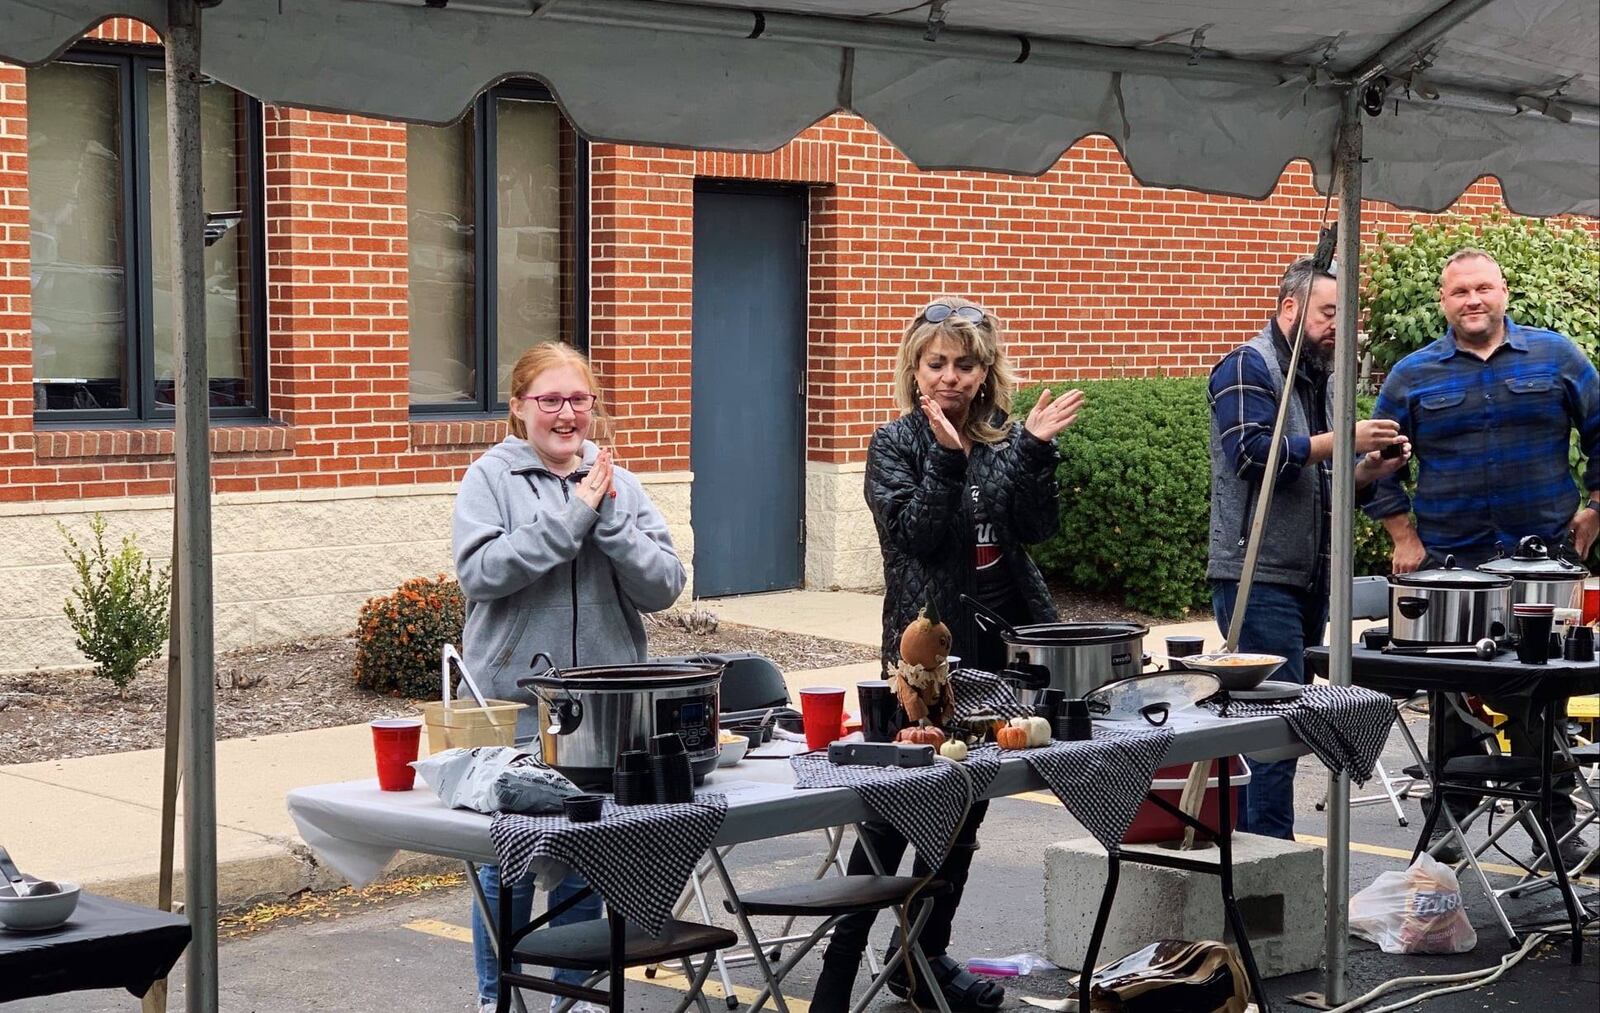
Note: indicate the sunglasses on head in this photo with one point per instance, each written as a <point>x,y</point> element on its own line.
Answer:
<point>939,312</point>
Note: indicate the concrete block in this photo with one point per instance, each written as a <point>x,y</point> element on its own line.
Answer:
<point>1278,885</point>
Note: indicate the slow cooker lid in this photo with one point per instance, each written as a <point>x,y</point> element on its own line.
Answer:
<point>1451,576</point>
<point>1533,561</point>
<point>624,678</point>
<point>1076,634</point>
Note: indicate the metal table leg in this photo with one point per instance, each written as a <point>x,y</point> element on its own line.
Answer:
<point>491,921</point>
<point>1546,791</point>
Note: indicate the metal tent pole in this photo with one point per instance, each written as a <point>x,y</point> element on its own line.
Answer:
<point>193,495</point>
<point>1347,170</point>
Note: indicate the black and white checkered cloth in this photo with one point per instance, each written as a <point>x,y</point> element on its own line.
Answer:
<point>980,692</point>
<point>1102,781</point>
<point>610,853</point>
<point>1346,726</point>
<point>926,804</point>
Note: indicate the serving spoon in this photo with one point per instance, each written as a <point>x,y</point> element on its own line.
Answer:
<point>20,886</point>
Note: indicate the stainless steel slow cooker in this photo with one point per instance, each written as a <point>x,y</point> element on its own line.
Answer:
<point>1538,575</point>
<point>588,715</point>
<point>1076,658</point>
<point>1448,605</point>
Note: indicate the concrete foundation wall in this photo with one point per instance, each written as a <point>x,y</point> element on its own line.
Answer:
<point>287,565</point>
<point>841,542</point>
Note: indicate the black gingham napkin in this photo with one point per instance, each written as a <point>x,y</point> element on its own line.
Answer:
<point>1102,781</point>
<point>608,853</point>
<point>1346,726</point>
<point>980,692</point>
<point>926,804</point>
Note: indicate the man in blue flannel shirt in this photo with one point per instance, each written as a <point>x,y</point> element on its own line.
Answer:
<point>1490,408</point>
<point>1289,600</point>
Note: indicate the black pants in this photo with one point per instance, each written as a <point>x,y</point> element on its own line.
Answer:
<point>1522,728</point>
<point>850,935</point>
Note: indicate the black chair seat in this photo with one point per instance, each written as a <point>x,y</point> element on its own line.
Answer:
<point>1500,768</point>
<point>834,895</point>
<point>1416,772</point>
<point>1587,756</point>
<point>586,946</point>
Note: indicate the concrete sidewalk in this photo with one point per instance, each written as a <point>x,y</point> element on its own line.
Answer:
<point>96,820</point>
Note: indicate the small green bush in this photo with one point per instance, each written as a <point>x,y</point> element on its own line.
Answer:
<point>118,610</point>
<point>1135,485</point>
<point>398,637</point>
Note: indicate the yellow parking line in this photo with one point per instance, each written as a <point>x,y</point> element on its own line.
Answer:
<point>665,976</point>
<point>1044,798</point>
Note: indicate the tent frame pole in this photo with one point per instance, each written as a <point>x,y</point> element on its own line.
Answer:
<point>1347,170</point>
<point>193,502</point>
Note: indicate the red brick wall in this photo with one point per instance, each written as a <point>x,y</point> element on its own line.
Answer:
<point>1092,274</point>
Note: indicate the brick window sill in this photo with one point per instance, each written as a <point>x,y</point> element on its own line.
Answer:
<point>458,433</point>
<point>245,439</point>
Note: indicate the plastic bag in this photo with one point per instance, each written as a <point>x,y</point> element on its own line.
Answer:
<point>491,779</point>
<point>1173,976</point>
<point>1015,965</point>
<point>1416,911</point>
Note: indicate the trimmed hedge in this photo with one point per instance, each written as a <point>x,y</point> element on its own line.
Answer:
<point>1135,484</point>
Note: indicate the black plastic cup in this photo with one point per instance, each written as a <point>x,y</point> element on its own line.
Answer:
<point>1182,647</point>
<point>673,777</point>
<point>1533,638</point>
<point>633,761</point>
<point>1579,645</point>
<point>666,744</point>
<point>583,808</point>
<point>1073,722</point>
<point>1048,702</point>
<point>634,787</point>
<point>880,710</point>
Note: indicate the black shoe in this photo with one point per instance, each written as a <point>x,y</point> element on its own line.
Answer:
<point>1446,848</point>
<point>1573,851</point>
<point>963,990</point>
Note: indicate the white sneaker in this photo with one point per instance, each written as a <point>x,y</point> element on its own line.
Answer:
<point>577,1007</point>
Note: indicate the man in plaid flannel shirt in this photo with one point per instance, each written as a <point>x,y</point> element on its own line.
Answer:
<point>1490,408</point>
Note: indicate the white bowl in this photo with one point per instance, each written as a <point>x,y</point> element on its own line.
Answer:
<point>732,752</point>
<point>33,914</point>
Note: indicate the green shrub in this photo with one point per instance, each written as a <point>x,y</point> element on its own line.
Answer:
<point>398,636</point>
<point>1551,270</point>
<point>118,610</point>
<point>1135,495</point>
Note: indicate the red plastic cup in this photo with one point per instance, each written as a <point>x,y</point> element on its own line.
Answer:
<point>822,713</point>
<point>1591,601</point>
<point>395,741</point>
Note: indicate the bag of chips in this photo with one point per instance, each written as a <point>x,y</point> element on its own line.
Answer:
<point>490,779</point>
<point>1416,911</point>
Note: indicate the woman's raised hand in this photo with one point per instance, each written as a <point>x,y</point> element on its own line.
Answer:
<point>943,429</point>
<point>1051,414</point>
<point>596,485</point>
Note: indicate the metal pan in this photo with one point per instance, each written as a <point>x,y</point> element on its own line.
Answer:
<point>1152,697</point>
<point>1243,670</point>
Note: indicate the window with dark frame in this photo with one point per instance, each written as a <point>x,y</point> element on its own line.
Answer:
<point>100,230</point>
<point>478,297</point>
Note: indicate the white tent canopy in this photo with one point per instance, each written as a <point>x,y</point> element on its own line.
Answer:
<point>1197,94</point>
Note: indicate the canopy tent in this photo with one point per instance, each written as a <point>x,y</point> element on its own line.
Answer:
<point>1195,96</point>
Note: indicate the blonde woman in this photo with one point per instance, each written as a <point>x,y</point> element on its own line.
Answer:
<point>957,489</point>
<point>558,550</point>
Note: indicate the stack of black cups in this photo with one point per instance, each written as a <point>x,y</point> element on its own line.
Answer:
<point>632,781</point>
<point>670,770</point>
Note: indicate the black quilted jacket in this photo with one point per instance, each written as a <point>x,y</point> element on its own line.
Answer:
<point>923,497</point>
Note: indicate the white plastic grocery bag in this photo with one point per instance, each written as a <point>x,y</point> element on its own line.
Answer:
<point>1416,911</point>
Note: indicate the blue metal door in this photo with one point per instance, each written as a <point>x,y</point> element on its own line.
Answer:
<point>747,442</point>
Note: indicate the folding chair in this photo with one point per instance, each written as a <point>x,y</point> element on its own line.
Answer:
<point>605,947</point>
<point>832,899</point>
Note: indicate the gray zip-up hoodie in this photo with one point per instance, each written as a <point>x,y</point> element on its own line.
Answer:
<point>543,572</point>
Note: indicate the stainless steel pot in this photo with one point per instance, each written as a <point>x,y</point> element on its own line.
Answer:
<point>588,715</point>
<point>1076,658</point>
<point>1539,575</point>
<point>1448,605</point>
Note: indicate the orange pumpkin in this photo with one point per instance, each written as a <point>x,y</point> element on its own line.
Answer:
<point>926,641</point>
<point>1012,738</point>
<point>921,735</point>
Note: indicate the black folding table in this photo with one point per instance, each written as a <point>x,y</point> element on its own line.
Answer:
<point>1546,688</point>
<point>105,944</point>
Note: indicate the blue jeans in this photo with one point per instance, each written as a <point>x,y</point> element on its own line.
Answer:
<point>587,909</point>
<point>1281,620</point>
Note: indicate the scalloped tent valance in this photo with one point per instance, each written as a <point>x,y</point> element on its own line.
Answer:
<point>1195,96</point>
